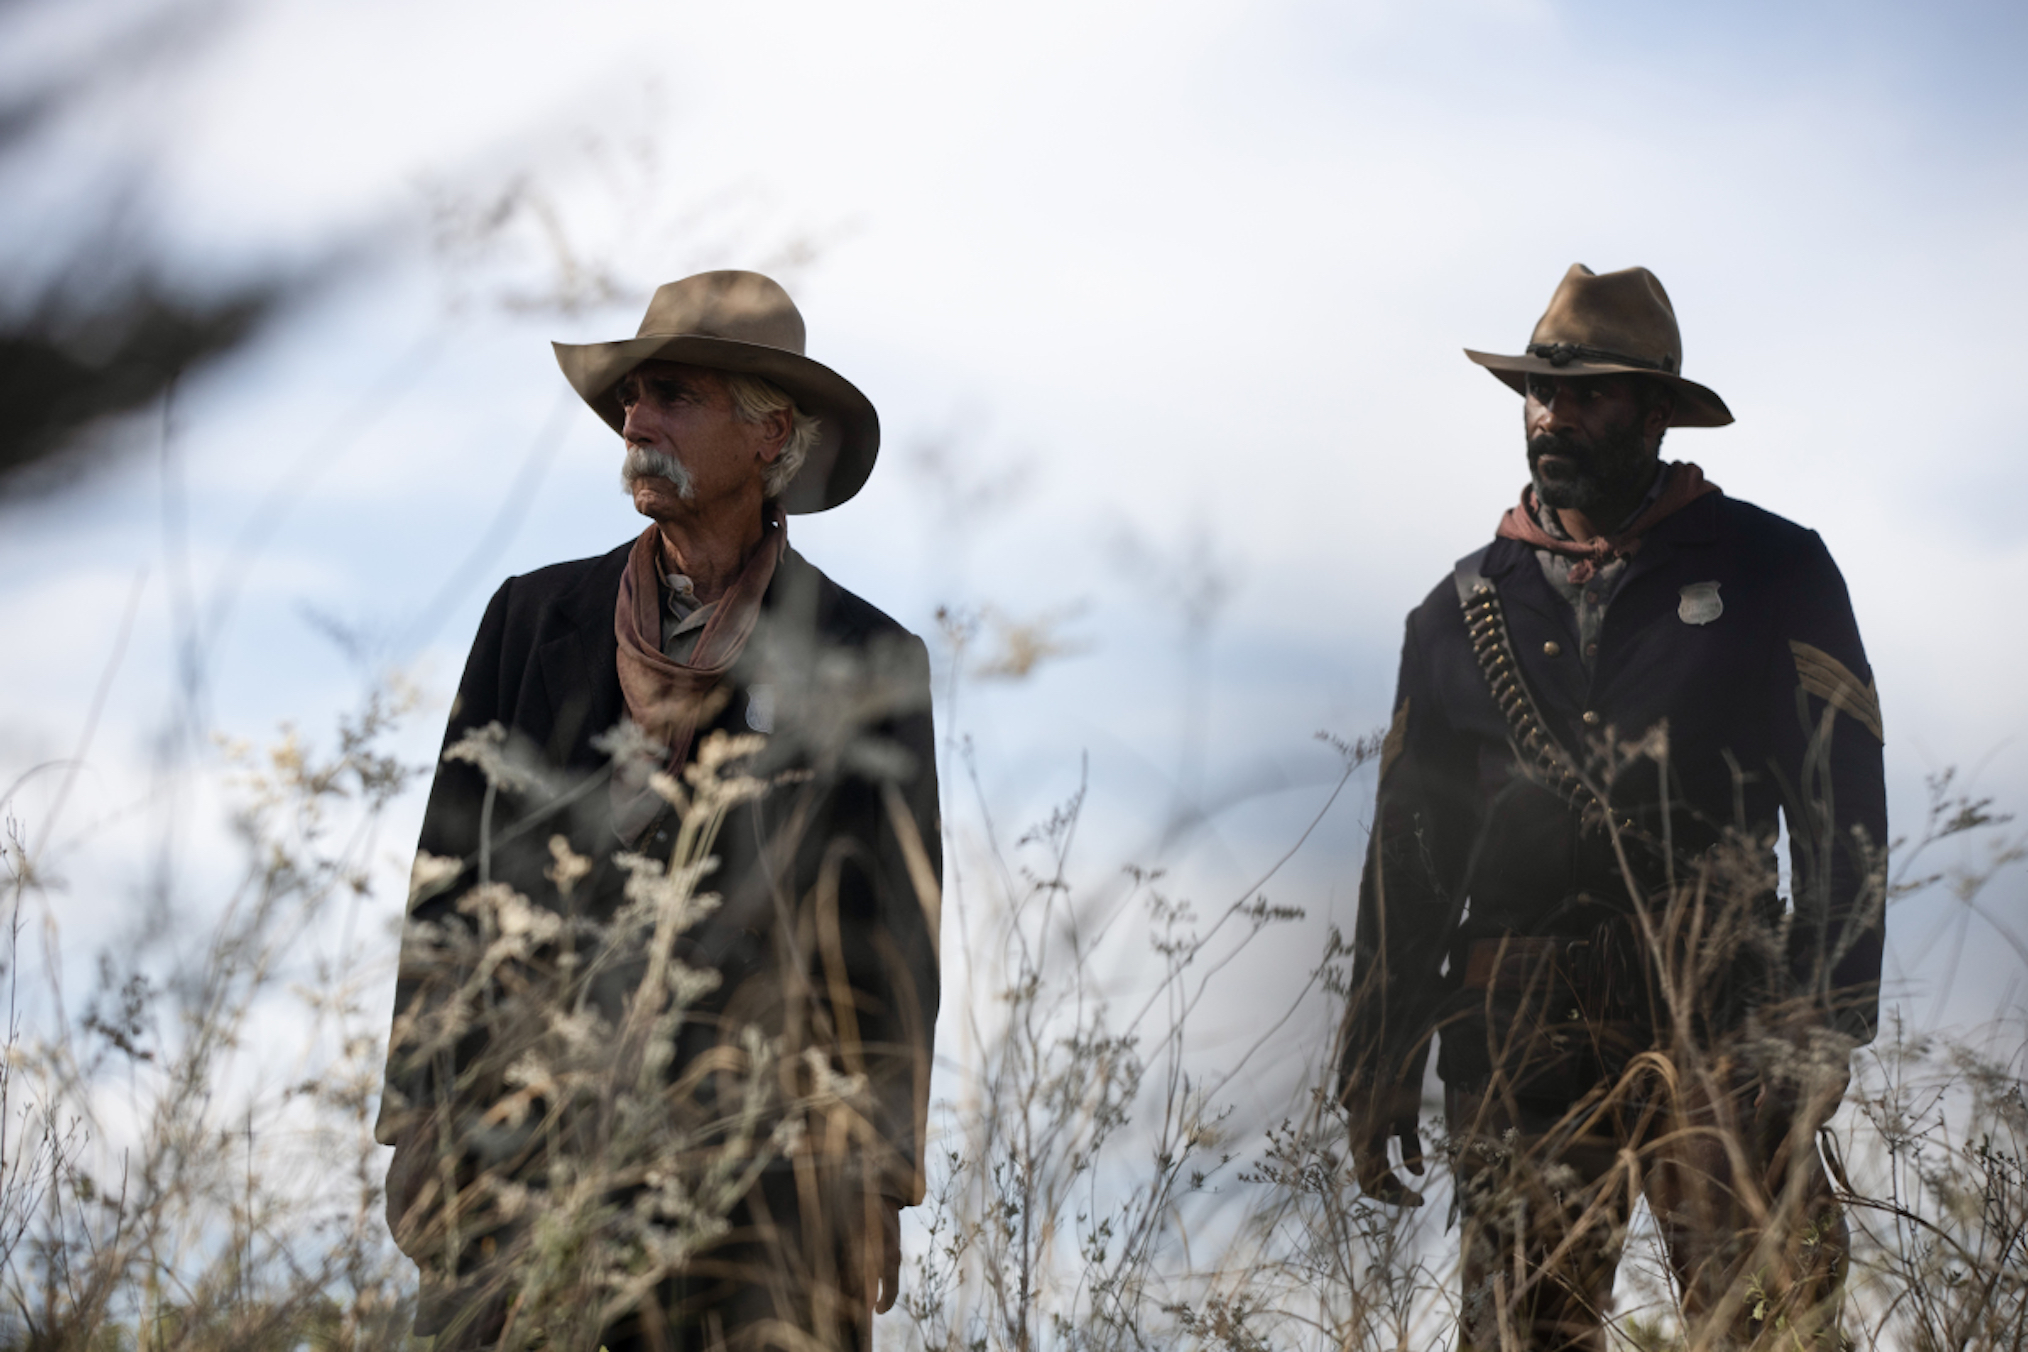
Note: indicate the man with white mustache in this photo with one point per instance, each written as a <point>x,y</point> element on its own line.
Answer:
<point>823,939</point>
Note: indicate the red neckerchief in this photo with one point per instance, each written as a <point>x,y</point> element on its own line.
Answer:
<point>664,696</point>
<point>1686,484</point>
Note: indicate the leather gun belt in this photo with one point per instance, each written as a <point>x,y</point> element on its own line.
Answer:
<point>1520,964</point>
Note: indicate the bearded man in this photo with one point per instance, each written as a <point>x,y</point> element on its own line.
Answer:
<point>1601,722</point>
<point>627,1111</point>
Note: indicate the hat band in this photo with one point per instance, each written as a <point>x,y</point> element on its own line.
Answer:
<point>1563,354</point>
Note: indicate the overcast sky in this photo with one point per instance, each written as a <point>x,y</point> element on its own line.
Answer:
<point>1152,299</point>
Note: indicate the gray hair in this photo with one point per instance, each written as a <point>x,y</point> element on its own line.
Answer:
<point>753,399</point>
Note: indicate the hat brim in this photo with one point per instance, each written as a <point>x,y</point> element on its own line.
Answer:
<point>848,439</point>
<point>1696,405</point>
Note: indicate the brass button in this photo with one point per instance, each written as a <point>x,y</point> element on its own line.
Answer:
<point>1591,718</point>
<point>1552,649</point>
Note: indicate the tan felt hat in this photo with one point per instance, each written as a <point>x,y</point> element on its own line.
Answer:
<point>743,322</point>
<point>1611,324</point>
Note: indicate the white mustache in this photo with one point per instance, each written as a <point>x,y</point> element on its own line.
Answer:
<point>643,462</point>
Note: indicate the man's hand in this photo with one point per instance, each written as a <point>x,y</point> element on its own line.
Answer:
<point>873,1255</point>
<point>1369,1158</point>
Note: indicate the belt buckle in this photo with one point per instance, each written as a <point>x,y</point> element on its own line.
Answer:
<point>1574,977</point>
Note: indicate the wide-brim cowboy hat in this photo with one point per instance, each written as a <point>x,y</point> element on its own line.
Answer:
<point>1615,323</point>
<point>741,322</point>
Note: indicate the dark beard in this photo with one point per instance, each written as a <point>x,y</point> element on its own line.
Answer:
<point>1604,476</point>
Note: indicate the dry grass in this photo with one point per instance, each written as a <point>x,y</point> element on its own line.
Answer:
<point>171,1179</point>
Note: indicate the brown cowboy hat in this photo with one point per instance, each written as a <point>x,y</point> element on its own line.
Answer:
<point>1618,323</point>
<point>744,322</point>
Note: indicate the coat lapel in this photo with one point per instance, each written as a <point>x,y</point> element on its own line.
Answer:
<point>1536,619</point>
<point>579,665</point>
<point>1514,570</point>
<point>1694,526</point>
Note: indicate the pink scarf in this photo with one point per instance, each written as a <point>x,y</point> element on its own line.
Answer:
<point>1686,484</point>
<point>667,698</point>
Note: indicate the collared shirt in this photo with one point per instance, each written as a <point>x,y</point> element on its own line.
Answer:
<point>1590,600</point>
<point>683,619</point>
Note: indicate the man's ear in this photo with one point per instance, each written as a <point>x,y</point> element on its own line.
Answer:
<point>775,429</point>
<point>1661,408</point>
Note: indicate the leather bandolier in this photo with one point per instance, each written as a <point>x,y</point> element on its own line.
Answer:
<point>1562,1013</point>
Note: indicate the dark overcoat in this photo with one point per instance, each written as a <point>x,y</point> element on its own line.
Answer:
<point>1466,846</point>
<point>842,692</point>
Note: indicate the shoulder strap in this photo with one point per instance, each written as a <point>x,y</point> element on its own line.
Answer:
<point>1486,626</point>
<point>1469,575</point>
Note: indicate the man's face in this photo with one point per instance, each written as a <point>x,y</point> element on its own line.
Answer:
<point>688,453</point>
<point>1592,441</point>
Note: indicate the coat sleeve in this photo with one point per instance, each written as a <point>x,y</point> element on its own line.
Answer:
<point>911,883</point>
<point>1408,890</point>
<point>1828,739</point>
<point>450,830</point>
<point>415,1088</point>
<point>874,913</point>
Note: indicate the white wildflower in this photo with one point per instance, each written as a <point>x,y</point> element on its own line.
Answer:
<point>669,895</point>
<point>513,915</point>
<point>510,1197</point>
<point>581,1031</point>
<point>787,1137</point>
<point>707,772</point>
<point>287,755</point>
<point>530,1072</point>
<point>721,748</point>
<point>430,874</point>
<point>626,742</point>
<point>687,984</point>
<point>828,1083</point>
<point>570,866</point>
<point>486,748</point>
<point>669,790</point>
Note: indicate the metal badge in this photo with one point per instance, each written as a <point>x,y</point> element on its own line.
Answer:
<point>1700,603</point>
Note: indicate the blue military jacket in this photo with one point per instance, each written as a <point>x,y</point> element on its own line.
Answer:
<point>1729,689</point>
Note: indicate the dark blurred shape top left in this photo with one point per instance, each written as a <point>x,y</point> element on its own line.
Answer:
<point>104,321</point>
<point>59,374</point>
